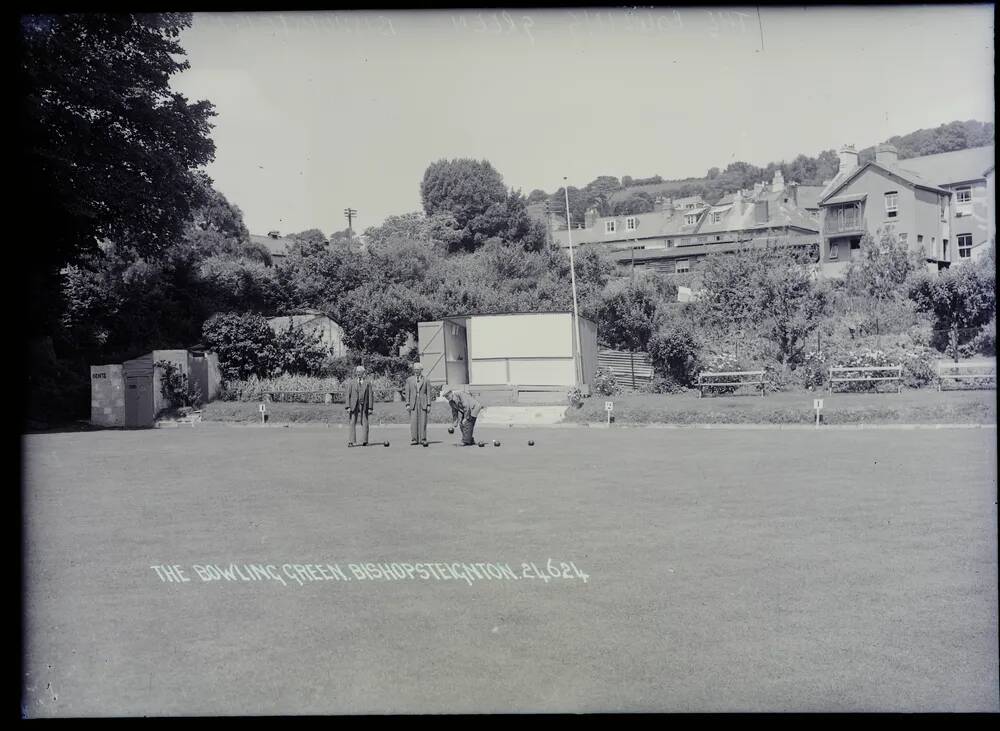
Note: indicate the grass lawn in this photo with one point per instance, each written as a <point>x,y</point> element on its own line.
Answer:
<point>909,407</point>
<point>737,570</point>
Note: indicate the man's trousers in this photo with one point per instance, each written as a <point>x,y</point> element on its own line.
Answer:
<point>359,416</point>
<point>468,424</point>
<point>418,425</point>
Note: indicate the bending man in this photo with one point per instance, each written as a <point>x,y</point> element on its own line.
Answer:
<point>464,411</point>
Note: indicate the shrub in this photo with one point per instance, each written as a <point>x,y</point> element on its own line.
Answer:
<point>396,368</point>
<point>863,359</point>
<point>253,388</point>
<point>661,385</point>
<point>676,356</point>
<point>176,387</point>
<point>724,363</point>
<point>814,371</point>
<point>984,343</point>
<point>575,397</point>
<point>605,382</point>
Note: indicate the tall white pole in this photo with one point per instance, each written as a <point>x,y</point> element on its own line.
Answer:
<point>572,275</point>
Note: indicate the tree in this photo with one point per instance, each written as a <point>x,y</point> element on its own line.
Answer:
<point>961,299</point>
<point>308,242</point>
<point>627,315</point>
<point>599,192</point>
<point>464,188</point>
<point>792,303</point>
<point>472,204</point>
<point>109,151</point>
<point>881,272</point>
<point>640,202</point>
<point>763,291</point>
<point>245,344</point>
<point>537,196</point>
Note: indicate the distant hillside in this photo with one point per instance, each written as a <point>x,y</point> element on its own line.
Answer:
<point>614,197</point>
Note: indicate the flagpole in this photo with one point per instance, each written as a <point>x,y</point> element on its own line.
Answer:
<point>572,274</point>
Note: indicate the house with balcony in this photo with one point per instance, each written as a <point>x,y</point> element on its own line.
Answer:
<point>936,204</point>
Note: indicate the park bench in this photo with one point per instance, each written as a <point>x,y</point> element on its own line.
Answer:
<point>959,372</point>
<point>866,374</point>
<point>733,379</point>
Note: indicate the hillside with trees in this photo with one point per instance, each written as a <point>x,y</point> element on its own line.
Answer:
<point>613,196</point>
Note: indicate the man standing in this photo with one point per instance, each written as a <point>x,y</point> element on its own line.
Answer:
<point>360,402</point>
<point>418,403</point>
<point>464,411</point>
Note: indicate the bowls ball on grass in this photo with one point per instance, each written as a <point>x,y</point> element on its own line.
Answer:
<point>496,442</point>
<point>531,442</point>
<point>451,430</point>
<point>482,444</point>
<point>385,443</point>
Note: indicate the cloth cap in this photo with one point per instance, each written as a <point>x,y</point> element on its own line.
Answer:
<point>359,369</point>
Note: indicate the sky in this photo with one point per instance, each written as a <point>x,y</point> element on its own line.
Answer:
<point>321,111</point>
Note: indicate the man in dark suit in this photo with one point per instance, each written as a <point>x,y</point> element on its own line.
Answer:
<point>360,402</point>
<point>464,411</point>
<point>418,403</point>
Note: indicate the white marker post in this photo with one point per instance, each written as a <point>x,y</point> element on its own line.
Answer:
<point>263,414</point>
<point>818,405</point>
<point>609,406</point>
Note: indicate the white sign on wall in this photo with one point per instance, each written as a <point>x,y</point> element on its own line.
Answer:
<point>817,403</point>
<point>609,405</point>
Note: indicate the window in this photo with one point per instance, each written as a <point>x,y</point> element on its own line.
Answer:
<point>920,239</point>
<point>965,246</point>
<point>691,219</point>
<point>891,198</point>
<point>834,251</point>
<point>963,195</point>
<point>903,237</point>
<point>718,238</point>
<point>670,243</point>
<point>630,224</point>
<point>609,227</point>
<point>716,217</point>
<point>944,249</point>
<point>683,265</point>
<point>855,244</point>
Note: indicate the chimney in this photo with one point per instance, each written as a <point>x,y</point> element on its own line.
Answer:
<point>778,183</point>
<point>886,154</point>
<point>793,188</point>
<point>590,218</point>
<point>760,212</point>
<point>274,234</point>
<point>848,159</point>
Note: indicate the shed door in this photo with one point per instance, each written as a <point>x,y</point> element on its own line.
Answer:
<point>139,401</point>
<point>199,375</point>
<point>430,338</point>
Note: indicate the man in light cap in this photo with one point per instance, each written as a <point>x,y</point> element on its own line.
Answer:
<point>464,411</point>
<point>360,402</point>
<point>418,403</point>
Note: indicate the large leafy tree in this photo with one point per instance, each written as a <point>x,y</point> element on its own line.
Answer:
<point>109,150</point>
<point>880,275</point>
<point>961,300</point>
<point>469,197</point>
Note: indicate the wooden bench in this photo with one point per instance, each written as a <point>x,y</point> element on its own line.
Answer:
<point>736,379</point>
<point>953,372</point>
<point>844,374</point>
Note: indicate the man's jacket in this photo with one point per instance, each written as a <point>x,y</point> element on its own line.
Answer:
<point>418,395</point>
<point>462,404</point>
<point>360,396</point>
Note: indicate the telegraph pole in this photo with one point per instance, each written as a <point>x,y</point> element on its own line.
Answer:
<point>572,274</point>
<point>350,213</point>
